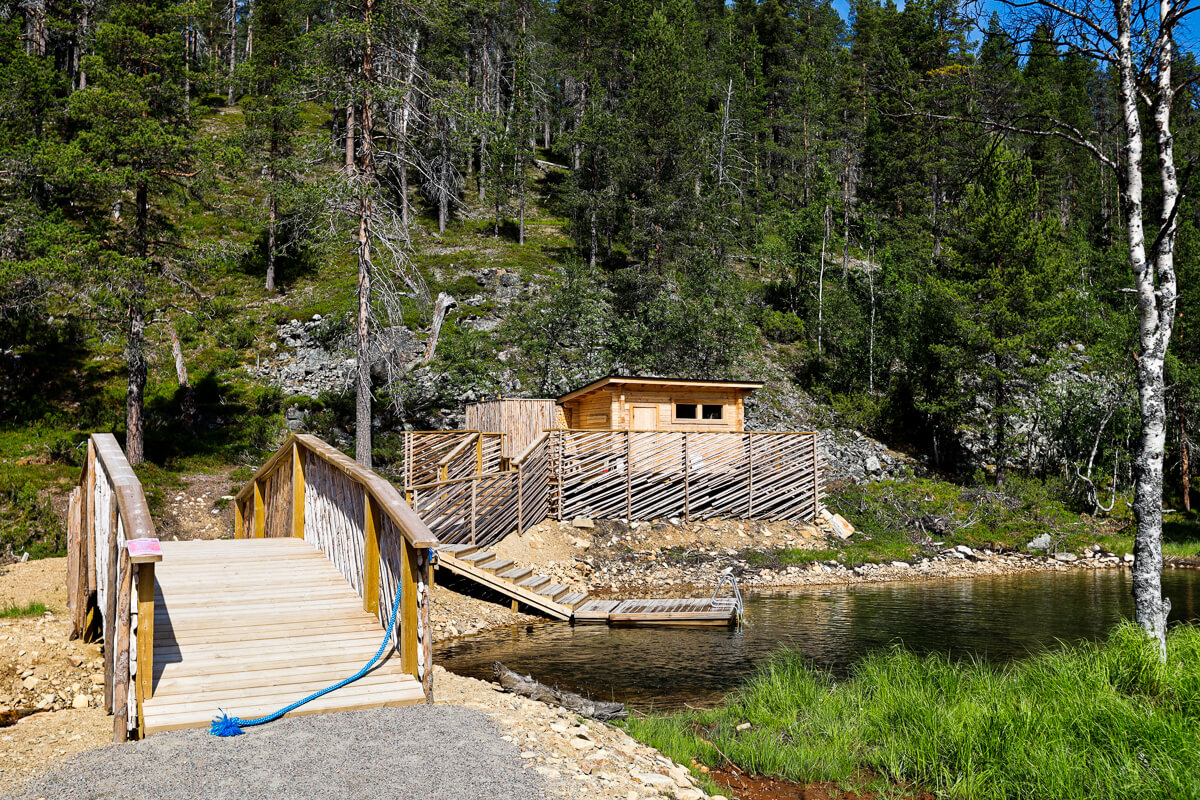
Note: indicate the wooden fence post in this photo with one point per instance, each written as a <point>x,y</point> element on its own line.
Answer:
<point>370,569</point>
<point>687,496</point>
<point>410,577</point>
<point>145,637</point>
<point>474,488</point>
<point>239,520</point>
<point>260,511</point>
<point>89,517</point>
<point>76,566</point>
<point>520,499</point>
<point>425,623</point>
<point>750,476</point>
<point>297,491</point>
<point>120,645</point>
<point>628,476</point>
<point>816,479</point>
<point>110,607</point>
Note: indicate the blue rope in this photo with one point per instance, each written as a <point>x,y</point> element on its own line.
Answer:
<point>226,725</point>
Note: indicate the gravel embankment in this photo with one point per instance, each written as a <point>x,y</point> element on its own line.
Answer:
<point>428,752</point>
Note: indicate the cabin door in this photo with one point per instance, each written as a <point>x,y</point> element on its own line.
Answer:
<point>645,418</point>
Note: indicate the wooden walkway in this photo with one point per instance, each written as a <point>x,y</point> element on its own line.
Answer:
<point>560,602</point>
<point>251,625</point>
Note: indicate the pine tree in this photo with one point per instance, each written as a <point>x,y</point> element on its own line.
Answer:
<point>132,142</point>
<point>1004,297</point>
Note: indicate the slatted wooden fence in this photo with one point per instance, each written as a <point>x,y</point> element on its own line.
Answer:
<point>522,419</point>
<point>483,508</point>
<point>312,491</point>
<point>656,474</point>
<point>106,594</point>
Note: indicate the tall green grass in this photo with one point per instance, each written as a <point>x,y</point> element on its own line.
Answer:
<point>1086,721</point>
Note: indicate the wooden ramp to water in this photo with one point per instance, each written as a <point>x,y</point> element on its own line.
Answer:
<point>560,602</point>
<point>508,578</point>
<point>252,625</point>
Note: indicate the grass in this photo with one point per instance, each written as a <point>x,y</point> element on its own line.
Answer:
<point>30,609</point>
<point>1089,721</point>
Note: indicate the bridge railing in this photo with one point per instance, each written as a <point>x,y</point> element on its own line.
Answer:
<point>312,491</point>
<point>108,596</point>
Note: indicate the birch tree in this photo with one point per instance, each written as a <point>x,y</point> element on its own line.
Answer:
<point>1136,39</point>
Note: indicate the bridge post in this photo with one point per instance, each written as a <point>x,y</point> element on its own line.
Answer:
<point>297,491</point>
<point>410,579</point>
<point>372,522</point>
<point>260,511</point>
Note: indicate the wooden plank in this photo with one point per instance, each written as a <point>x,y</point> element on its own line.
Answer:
<point>330,703</point>
<point>267,661</point>
<point>170,685</point>
<point>242,688</point>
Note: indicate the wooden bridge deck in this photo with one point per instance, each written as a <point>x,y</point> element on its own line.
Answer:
<point>251,625</point>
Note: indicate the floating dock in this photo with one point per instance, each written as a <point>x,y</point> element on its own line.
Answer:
<point>557,601</point>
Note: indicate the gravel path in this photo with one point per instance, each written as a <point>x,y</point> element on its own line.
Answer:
<point>426,752</point>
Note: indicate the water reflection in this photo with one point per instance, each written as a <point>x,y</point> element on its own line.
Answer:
<point>998,618</point>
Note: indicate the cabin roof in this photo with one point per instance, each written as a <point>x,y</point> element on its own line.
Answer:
<point>644,380</point>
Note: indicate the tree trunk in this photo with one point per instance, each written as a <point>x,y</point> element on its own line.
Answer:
<point>821,281</point>
<point>526,686</point>
<point>402,145</point>
<point>271,218</point>
<point>135,344</point>
<point>1154,321</point>
<point>187,403</point>
<point>366,178</point>
<point>1184,459</point>
<point>187,65</point>
<point>232,50</point>
<point>350,135</point>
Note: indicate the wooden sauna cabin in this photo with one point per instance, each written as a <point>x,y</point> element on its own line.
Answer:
<point>626,403</point>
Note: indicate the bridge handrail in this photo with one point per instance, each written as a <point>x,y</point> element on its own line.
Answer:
<point>96,545</point>
<point>382,492</point>
<point>312,491</point>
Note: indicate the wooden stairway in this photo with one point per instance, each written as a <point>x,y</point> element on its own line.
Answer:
<point>519,583</point>
<point>252,625</point>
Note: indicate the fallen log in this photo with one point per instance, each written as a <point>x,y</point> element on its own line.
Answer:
<point>526,686</point>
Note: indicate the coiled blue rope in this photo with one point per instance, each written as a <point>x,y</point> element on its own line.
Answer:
<point>226,725</point>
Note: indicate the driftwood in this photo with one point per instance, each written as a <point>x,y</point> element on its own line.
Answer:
<point>526,686</point>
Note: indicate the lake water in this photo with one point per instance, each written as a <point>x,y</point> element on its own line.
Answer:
<point>998,618</point>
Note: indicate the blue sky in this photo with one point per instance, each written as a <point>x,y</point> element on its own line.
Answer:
<point>1187,37</point>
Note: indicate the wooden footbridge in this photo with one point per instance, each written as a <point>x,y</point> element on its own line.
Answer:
<point>324,548</point>
<point>296,602</point>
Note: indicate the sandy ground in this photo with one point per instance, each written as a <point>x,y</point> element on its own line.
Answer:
<point>202,509</point>
<point>44,677</point>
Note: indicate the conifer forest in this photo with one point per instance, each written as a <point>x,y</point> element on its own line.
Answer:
<point>961,228</point>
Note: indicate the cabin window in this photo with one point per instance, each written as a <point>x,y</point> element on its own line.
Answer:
<point>685,411</point>
<point>714,411</point>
